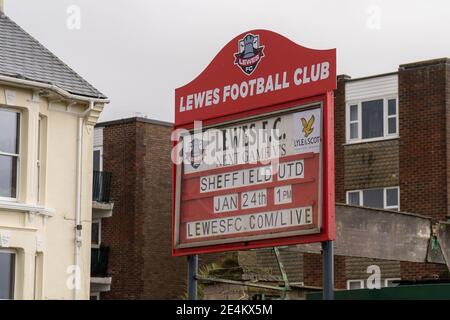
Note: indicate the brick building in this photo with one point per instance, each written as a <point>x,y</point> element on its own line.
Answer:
<point>391,152</point>
<point>137,236</point>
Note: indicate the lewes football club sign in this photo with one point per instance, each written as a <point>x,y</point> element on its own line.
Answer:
<point>253,148</point>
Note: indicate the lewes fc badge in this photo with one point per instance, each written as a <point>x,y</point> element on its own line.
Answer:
<point>197,152</point>
<point>250,53</point>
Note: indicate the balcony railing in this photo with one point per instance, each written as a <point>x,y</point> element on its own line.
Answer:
<point>99,261</point>
<point>101,189</point>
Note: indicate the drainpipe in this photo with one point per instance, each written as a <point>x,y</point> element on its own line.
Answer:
<point>78,225</point>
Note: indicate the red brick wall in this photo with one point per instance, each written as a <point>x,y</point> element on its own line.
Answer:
<point>339,139</point>
<point>339,273</point>
<point>139,231</point>
<point>423,144</point>
<point>120,232</point>
<point>424,140</point>
<point>164,276</point>
<point>418,271</point>
<point>312,263</point>
<point>447,116</point>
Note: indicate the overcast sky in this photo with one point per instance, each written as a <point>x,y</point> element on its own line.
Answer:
<point>138,51</point>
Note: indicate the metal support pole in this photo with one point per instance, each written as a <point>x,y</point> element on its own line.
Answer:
<point>192,276</point>
<point>287,287</point>
<point>328,270</point>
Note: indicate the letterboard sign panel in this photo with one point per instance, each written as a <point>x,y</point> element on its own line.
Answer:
<point>253,150</point>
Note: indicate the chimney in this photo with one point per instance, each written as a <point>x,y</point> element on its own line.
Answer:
<point>1,6</point>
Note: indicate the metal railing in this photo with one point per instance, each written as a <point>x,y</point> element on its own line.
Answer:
<point>101,189</point>
<point>99,261</point>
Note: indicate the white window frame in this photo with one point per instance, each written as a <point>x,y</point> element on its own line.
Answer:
<point>361,282</point>
<point>397,207</point>
<point>385,206</point>
<point>389,279</point>
<point>357,121</point>
<point>347,196</point>
<point>95,294</point>
<point>384,283</point>
<point>358,103</point>
<point>14,199</point>
<point>386,117</point>
<point>360,191</point>
<point>99,221</point>
<point>15,269</point>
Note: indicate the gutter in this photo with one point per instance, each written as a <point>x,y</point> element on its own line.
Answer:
<point>52,87</point>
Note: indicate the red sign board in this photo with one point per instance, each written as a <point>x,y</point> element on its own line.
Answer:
<point>259,172</point>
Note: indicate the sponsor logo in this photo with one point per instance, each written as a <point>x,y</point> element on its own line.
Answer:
<point>307,134</point>
<point>308,126</point>
<point>249,53</point>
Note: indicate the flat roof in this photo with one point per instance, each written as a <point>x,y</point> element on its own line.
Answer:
<point>404,66</point>
<point>373,76</point>
<point>133,119</point>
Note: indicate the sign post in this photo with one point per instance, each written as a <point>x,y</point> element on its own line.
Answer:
<point>254,148</point>
<point>192,276</point>
<point>328,270</point>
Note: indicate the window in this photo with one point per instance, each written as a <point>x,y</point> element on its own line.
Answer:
<point>94,296</point>
<point>354,122</point>
<point>392,116</point>
<point>353,198</point>
<point>98,165</point>
<point>355,284</point>
<point>38,161</point>
<point>381,198</point>
<point>390,282</point>
<point>9,153</point>
<point>392,198</point>
<point>7,274</point>
<point>361,284</point>
<point>96,233</point>
<point>372,119</point>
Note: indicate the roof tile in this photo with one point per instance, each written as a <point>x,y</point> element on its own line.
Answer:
<point>23,57</point>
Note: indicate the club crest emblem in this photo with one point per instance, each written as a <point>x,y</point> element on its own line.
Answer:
<point>197,152</point>
<point>250,53</point>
